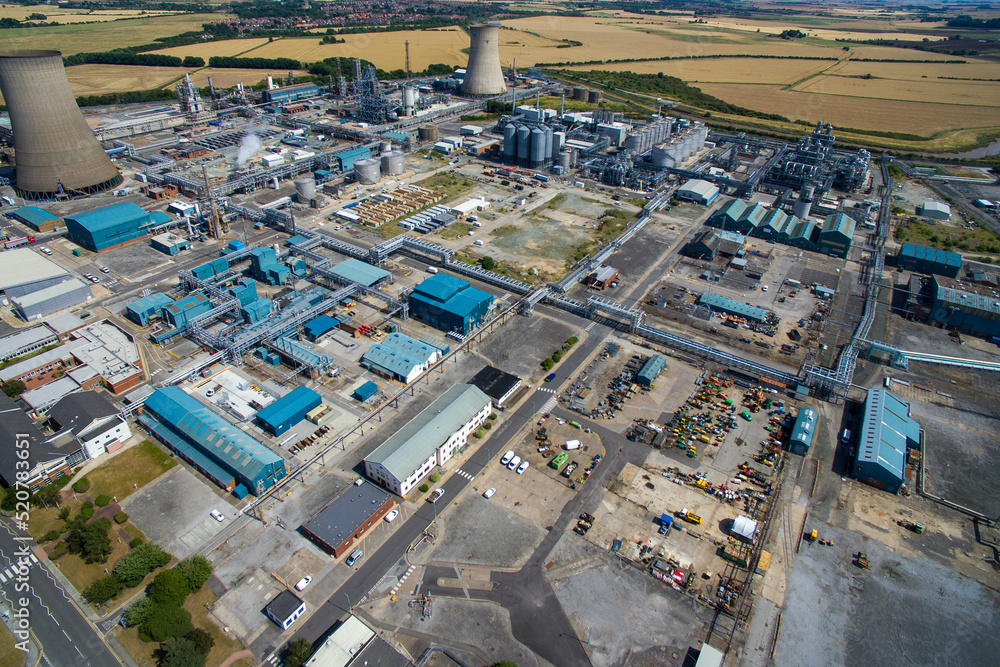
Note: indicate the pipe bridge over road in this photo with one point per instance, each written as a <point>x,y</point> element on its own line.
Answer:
<point>901,358</point>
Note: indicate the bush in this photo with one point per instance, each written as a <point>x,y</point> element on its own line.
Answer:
<point>64,513</point>
<point>179,652</point>
<point>493,417</point>
<point>136,564</point>
<point>435,478</point>
<point>424,488</point>
<point>163,622</point>
<point>102,500</point>
<point>479,433</point>
<point>81,485</point>
<point>196,570</point>
<point>487,426</point>
<point>557,355</point>
<point>547,364</point>
<point>135,543</point>
<point>87,510</point>
<point>120,518</point>
<point>102,590</point>
<point>137,611</point>
<point>169,588</point>
<point>59,550</point>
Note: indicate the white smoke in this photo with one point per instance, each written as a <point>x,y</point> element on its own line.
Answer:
<point>251,143</point>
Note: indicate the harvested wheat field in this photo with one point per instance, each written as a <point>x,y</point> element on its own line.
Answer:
<point>723,70</point>
<point>921,118</point>
<point>227,47</point>
<point>100,79</point>
<point>976,69</point>
<point>953,92</point>
<point>65,15</point>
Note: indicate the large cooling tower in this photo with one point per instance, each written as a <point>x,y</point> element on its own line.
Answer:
<point>483,75</point>
<point>53,144</point>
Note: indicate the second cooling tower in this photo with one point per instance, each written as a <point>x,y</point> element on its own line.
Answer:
<point>55,150</point>
<point>483,75</point>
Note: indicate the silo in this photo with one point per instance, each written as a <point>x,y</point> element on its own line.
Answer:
<point>564,160</point>
<point>510,142</point>
<point>595,97</point>
<point>661,156</point>
<point>428,133</point>
<point>56,150</point>
<point>558,141</point>
<point>393,163</point>
<point>537,147</point>
<point>803,206</point>
<point>580,93</point>
<point>409,100</point>
<point>483,75</point>
<point>548,142</point>
<point>574,157</point>
<point>305,189</point>
<point>367,172</point>
<point>523,144</point>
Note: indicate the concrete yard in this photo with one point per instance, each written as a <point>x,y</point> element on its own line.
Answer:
<point>520,346</point>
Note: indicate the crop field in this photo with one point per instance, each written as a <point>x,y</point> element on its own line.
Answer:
<point>724,70</point>
<point>64,15</point>
<point>226,47</point>
<point>100,79</point>
<point>956,93</point>
<point>105,36</point>
<point>919,71</point>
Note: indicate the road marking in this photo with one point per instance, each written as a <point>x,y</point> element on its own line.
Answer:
<point>464,474</point>
<point>12,571</point>
<point>3,579</point>
<point>551,403</point>
<point>590,326</point>
<point>32,557</point>
<point>408,572</point>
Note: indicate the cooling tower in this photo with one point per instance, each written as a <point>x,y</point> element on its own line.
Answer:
<point>483,75</point>
<point>53,144</point>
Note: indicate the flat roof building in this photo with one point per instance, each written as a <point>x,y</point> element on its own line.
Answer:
<point>496,384</point>
<point>347,517</point>
<point>449,303</point>
<point>712,241</point>
<point>143,309</point>
<point>400,357</point>
<point>291,93</point>
<point>697,191</point>
<point>969,308</point>
<point>110,226</point>
<point>803,432</point>
<point>52,299</point>
<point>25,341</point>
<point>318,326</point>
<point>285,609</point>
<point>24,271</point>
<point>355,271</point>
<point>431,438</point>
<point>354,644</point>
<point>929,260</point>
<point>288,410</point>
<point>886,434</point>
<point>40,399</point>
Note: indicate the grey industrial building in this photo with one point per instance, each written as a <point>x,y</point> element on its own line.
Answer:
<point>52,299</point>
<point>24,271</point>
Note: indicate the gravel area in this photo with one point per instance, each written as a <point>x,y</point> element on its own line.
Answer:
<point>902,612</point>
<point>520,346</point>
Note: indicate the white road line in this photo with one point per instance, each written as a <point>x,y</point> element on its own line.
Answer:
<point>3,579</point>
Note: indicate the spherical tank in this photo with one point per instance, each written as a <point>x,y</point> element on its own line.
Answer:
<point>523,144</point>
<point>537,147</point>
<point>595,97</point>
<point>305,189</point>
<point>548,143</point>
<point>510,142</point>
<point>55,148</point>
<point>367,172</point>
<point>393,163</point>
<point>580,93</point>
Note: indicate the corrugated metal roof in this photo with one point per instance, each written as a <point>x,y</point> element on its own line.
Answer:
<point>320,325</point>
<point>359,272</point>
<point>63,323</point>
<point>52,292</point>
<point>440,287</point>
<point>296,402</point>
<point>652,368</point>
<point>717,302</point>
<point>838,222</point>
<point>886,428</point>
<point>22,266</point>
<point>696,186</point>
<point>400,354</point>
<point>153,302</point>
<point>936,206</point>
<point>921,252</point>
<point>417,441</point>
<point>33,215</point>
<point>805,427</point>
<point>110,216</point>
<point>948,293</point>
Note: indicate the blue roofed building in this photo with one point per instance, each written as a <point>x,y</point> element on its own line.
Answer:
<point>449,303</point>
<point>113,225</point>
<point>922,259</point>
<point>38,219</point>
<point>721,304</point>
<point>972,309</point>
<point>355,271</point>
<point>837,235</point>
<point>146,308</point>
<point>318,326</point>
<point>292,93</point>
<point>886,434</point>
<point>288,410</point>
<point>400,357</point>
<point>264,266</point>
<point>180,311</point>
<point>245,291</point>
<point>221,451</point>
<point>650,370</point>
<point>803,432</point>
<point>349,157</point>
<point>365,391</point>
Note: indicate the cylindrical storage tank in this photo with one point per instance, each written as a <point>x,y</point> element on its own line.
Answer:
<point>558,141</point>
<point>801,209</point>
<point>548,143</point>
<point>428,133</point>
<point>523,144</point>
<point>568,91</point>
<point>595,97</point>
<point>483,75</point>
<point>580,93</point>
<point>305,189</point>
<point>573,158</point>
<point>386,146</point>
<point>564,160</point>
<point>661,157</point>
<point>367,172</point>
<point>537,147</point>
<point>409,99</point>
<point>510,142</point>
<point>55,148</point>
<point>632,143</point>
<point>393,163</point>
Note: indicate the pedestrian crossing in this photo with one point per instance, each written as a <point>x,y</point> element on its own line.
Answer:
<point>464,474</point>
<point>402,579</point>
<point>11,572</point>
<point>275,660</point>
<point>590,326</point>
<point>547,390</point>
<point>549,404</point>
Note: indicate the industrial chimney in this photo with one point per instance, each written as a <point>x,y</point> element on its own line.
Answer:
<point>483,75</point>
<point>55,149</point>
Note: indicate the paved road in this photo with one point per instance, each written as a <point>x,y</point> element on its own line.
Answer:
<point>66,637</point>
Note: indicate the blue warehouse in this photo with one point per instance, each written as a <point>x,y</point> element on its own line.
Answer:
<point>143,309</point>
<point>221,451</point>
<point>291,93</point>
<point>802,432</point>
<point>449,303</point>
<point>929,260</point>
<point>288,410</point>
<point>886,435</point>
<point>113,225</point>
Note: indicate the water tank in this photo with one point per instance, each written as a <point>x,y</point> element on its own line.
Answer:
<point>558,141</point>
<point>548,143</point>
<point>523,144</point>
<point>393,163</point>
<point>510,142</point>
<point>580,93</point>
<point>595,97</point>
<point>801,209</point>
<point>367,172</point>
<point>428,133</point>
<point>564,160</point>
<point>661,156</point>
<point>537,147</point>
<point>305,189</point>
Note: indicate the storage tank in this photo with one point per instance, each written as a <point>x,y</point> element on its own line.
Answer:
<point>595,97</point>
<point>393,163</point>
<point>523,144</point>
<point>568,91</point>
<point>564,160</point>
<point>510,142</point>
<point>409,100</point>
<point>305,189</point>
<point>537,147</point>
<point>367,172</point>
<point>580,93</point>
<point>428,133</point>
<point>661,157</point>
<point>803,206</point>
<point>548,143</point>
<point>558,141</point>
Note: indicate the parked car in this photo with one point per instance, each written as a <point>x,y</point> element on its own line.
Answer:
<point>489,492</point>
<point>217,515</point>
<point>105,269</point>
<point>303,582</point>
<point>391,515</point>
<point>436,495</point>
<point>521,468</point>
<point>514,462</point>
<point>507,457</point>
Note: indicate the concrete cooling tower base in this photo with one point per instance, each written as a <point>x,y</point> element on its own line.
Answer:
<point>483,76</point>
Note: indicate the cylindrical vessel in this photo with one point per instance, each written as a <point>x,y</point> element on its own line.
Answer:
<point>483,75</point>
<point>595,97</point>
<point>409,100</point>
<point>386,146</point>
<point>523,144</point>
<point>367,172</point>
<point>305,189</point>
<point>580,93</point>
<point>558,141</point>
<point>661,156</point>
<point>801,209</point>
<point>537,147</point>
<point>564,160</point>
<point>510,142</point>
<point>548,142</point>
<point>393,163</point>
<point>428,133</point>
<point>55,150</point>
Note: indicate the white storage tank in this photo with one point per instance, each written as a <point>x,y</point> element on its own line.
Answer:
<point>523,144</point>
<point>564,160</point>
<point>548,143</point>
<point>367,172</point>
<point>537,147</point>
<point>393,163</point>
<point>558,141</point>
<point>305,189</point>
<point>661,156</point>
<point>510,142</point>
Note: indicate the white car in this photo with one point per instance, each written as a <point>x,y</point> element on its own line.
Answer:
<point>303,582</point>
<point>489,492</point>
<point>217,515</point>
<point>436,495</point>
<point>521,468</point>
<point>507,457</point>
<point>391,515</point>
<point>764,288</point>
<point>514,462</point>
<point>105,269</point>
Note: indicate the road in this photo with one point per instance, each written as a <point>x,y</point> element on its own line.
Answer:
<point>66,637</point>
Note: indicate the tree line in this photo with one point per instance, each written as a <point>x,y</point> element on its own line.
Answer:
<point>130,57</point>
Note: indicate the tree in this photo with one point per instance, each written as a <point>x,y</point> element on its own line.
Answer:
<point>203,642</point>
<point>64,513</point>
<point>424,488</point>
<point>180,652</point>
<point>48,495</point>
<point>102,500</point>
<point>169,588</point>
<point>13,388</point>
<point>81,485</point>
<point>164,621</point>
<point>193,61</point>
<point>298,652</point>
<point>87,510</point>
<point>135,543</point>
<point>136,564</point>
<point>547,364</point>
<point>138,611</point>
<point>102,590</point>
<point>504,663</point>
<point>196,570</point>
<point>488,263</point>
<point>51,536</point>
<point>91,541</point>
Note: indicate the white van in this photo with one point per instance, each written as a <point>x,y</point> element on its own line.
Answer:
<point>573,444</point>
<point>478,243</point>
<point>432,269</point>
<point>353,558</point>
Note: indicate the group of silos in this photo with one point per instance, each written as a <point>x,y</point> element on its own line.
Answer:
<point>687,139</point>
<point>370,171</point>
<point>582,94</point>
<point>532,144</point>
